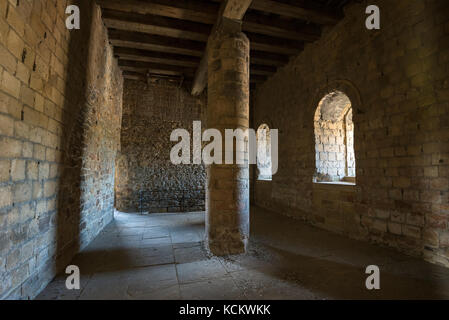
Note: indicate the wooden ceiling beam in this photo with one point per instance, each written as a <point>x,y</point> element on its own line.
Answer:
<point>258,41</point>
<point>155,57</point>
<point>131,75</point>
<point>156,67</point>
<point>274,45</point>
<point>197,11</point>
<point>154,47</point>
<point>146,41</point>
<point>144,71</point>
<point>156,25</point>
<point>268,58</point>
<point>297,12</point>
<point>162,48</point>
<point>167,26</point>
<point>179,60</point>
<point>142,76</point>
<point>170,36</point>
<point>281,28</point>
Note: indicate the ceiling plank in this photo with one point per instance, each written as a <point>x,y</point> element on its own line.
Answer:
<point>142,76</point>
<point>132,57</point>
<point>134,76</point>
<point>156,25</point>
<point>274,45</point>
<point>174,34</point>
<point>282,28</point>
<point>192,31</point>
<point>267,58</point>
<point>146,41</point>
<point>161,50</point>
<point>154,47</point>
<point>288,10</point>
<point>183,61</point>
<point>156,67</point>
<point>156,57</point>
<point>141,13</point>
<point>152,29</point>
<point>144,71</point>
<point>198,11</point>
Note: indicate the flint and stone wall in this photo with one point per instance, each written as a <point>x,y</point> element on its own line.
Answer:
<point>397,79</point>
<point>146,180</point>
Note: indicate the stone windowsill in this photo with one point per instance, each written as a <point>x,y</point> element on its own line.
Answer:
<point>340,183</point>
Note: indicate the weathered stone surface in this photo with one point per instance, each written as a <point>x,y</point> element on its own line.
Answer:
<point>284,261</point>
<point>60,108</point>
<point>227,202</point>
<point>146,180</point>
<point>394,79</point>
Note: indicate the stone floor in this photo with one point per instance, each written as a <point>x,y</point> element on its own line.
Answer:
<point>160,256</point>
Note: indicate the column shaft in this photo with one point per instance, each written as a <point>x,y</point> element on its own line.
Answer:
<point>227,203</point>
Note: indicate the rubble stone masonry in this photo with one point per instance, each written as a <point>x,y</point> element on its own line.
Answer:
<point>60,115</point>
<point>397,79</point>
<point>146,180</point>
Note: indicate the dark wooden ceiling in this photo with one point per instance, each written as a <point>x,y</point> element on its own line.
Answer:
<point>169,37</point>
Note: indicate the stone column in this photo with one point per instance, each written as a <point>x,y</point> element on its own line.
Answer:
<point>227,200</point>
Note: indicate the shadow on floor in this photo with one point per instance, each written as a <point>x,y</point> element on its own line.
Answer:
<point>161,257</point>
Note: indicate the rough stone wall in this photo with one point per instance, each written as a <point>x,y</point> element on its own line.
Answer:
<point>60,110</point>
<point>146,179</point>
<point>397,81</point>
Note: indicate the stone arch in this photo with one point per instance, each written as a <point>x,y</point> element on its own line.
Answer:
<point>345,86</point>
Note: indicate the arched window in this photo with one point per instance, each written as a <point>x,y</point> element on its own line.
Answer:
<point>334,139</point>
<point>264,153</point>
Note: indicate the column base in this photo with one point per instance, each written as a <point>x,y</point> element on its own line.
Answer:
<point>224,248</point>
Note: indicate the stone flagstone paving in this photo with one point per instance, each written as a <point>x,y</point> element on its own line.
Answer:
<point>160,256</point>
